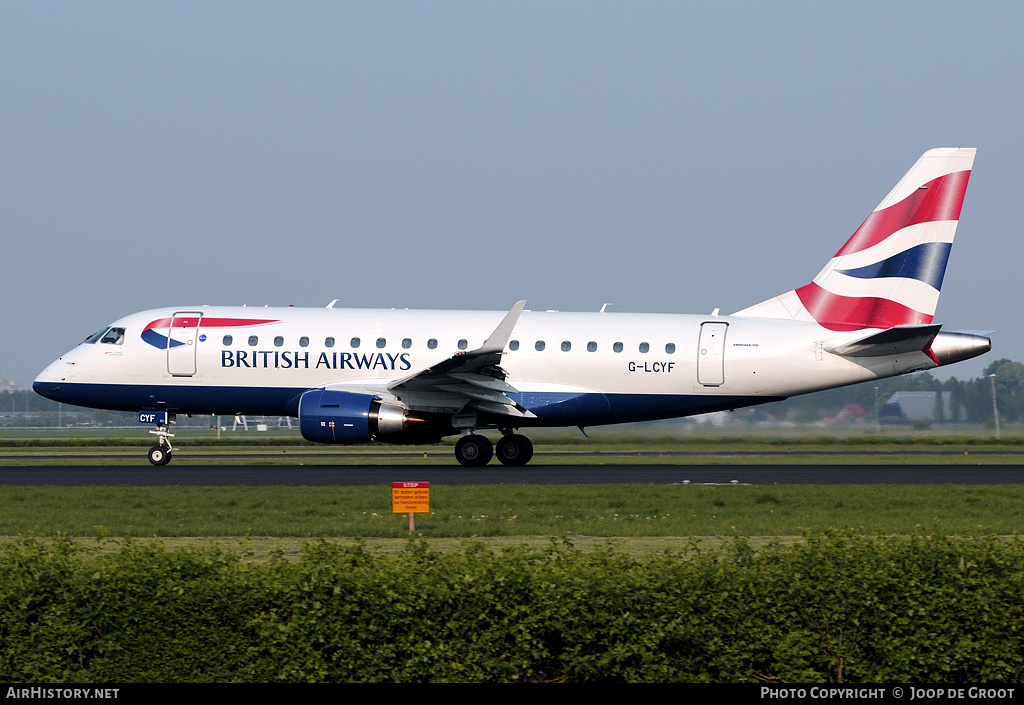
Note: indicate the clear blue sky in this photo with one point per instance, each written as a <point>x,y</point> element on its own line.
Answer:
<point>662,156</point>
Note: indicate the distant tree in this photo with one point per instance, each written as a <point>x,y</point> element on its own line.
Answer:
<point>1009,388</point>
<point>808,412</point>
<point>970,400</point>
<point>939,415</point>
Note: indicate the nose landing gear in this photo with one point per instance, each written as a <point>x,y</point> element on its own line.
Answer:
<point>160,454</point>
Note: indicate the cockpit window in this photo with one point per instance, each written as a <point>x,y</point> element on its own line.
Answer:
<point>111,336</point>
<point>114,336</point>
<point>97,335</point>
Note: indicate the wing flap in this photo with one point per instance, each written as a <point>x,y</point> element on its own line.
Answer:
<point>476,393</point>
<point>514,411</point>
<point>485,382</point>
<point>472,379</point>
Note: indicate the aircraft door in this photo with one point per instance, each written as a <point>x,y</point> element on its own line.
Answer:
<point>182,337</point>
<point>711,354</point>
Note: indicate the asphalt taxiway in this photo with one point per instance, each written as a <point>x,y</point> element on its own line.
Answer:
<point>326,475</point>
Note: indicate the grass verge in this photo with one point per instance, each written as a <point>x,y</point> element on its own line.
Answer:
<point>627,511</point>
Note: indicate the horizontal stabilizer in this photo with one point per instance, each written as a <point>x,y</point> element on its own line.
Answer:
<point>893,341</point>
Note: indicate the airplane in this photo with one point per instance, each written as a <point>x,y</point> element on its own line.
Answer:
<point>354,376</point>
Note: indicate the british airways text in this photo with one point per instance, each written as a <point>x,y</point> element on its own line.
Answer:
<point>287,359</point>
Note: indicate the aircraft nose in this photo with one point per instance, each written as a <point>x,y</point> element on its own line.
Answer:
<point>48,382</point>
<point>46,389</point>
<point>56,371</point>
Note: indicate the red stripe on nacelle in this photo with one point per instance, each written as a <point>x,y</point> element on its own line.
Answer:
<point>939,199</point>
<point>841,313</point>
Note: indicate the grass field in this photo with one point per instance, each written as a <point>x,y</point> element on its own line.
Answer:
<point>649,517</point>
<point>506,510</point>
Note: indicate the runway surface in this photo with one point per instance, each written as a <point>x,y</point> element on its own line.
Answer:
<point>821,474</point>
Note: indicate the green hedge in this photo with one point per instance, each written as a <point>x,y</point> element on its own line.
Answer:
<point>833,608</point>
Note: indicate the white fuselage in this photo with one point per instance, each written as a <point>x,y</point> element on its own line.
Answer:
<point>611,367</point>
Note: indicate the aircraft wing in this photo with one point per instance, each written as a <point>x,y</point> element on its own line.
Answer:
<point>471,379</point>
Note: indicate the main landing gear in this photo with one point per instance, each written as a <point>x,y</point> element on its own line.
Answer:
<point>474,450</point>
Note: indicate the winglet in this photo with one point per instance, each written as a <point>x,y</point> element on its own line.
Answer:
<point>497,340</point>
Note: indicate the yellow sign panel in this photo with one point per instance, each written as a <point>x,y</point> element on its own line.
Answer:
<point>410,497</point>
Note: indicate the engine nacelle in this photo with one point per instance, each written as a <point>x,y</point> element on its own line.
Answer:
<point>949,347</point>
<point>327,416</point>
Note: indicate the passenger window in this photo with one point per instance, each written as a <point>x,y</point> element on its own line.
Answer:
<point>406,343</point>
<point>304,342</point>
<point>670,348</point>
<point>329,343</point>
<point>513,345</point>
<point>381,342</point>
<point>644,347</point>
<point>617,347</point>
<point>228,339</point>
<point>539,345</point>
<point>463,344</point>
<point>591,346</point>
<point>278,341</point>
<point>566,346</point>
<point>354,343</point>
<point>432,343</point>
<point>253,341</point>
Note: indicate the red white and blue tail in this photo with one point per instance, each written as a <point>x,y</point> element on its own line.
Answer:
<point>890,272</point>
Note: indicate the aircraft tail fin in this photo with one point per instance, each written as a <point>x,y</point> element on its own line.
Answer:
<point>890,271</point>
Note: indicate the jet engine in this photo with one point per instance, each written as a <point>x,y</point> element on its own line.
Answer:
<point>328,416</point>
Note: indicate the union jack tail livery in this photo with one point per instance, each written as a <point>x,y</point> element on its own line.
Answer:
<point>890,272</point>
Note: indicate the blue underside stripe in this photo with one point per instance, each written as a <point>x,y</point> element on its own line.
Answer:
<point>550,409</point>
